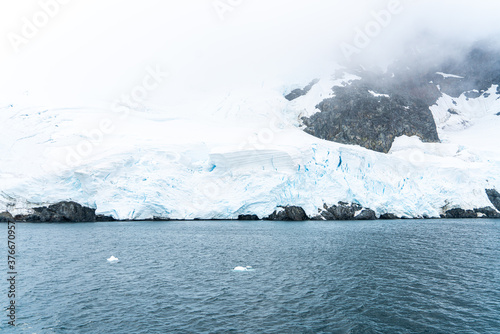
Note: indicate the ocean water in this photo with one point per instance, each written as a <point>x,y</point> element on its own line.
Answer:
<point>406,276</point>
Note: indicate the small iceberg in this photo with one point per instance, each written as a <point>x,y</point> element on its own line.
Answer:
<point>241,268</point>
<point>113,259</point>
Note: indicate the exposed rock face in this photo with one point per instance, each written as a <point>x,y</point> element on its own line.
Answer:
<point>356,116</point>
<point>487,212</point>
<point>248,217</point>
<point>346,211</point>
<point>372,111</point>
<point>494,197</point>
<point>6,217</point>
<point>476,213</point>
<point>478,70</point>
<point>61,212</point>
<point>289,213</point>
<point>388,216</point>
<point>366,214</point>
<point>104,218</point>
<point>299,92</point>
<point>343,211</point>
<point>460,213</point>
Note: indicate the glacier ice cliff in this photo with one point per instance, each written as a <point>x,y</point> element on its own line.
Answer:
<point>246,154</point>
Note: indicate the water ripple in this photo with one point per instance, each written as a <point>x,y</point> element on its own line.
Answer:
<point>314,277</point>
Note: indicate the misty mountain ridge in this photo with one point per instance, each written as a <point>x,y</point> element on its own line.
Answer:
<point>381,106</point>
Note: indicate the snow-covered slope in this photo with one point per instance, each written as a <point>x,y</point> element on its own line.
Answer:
<point>242,153</point>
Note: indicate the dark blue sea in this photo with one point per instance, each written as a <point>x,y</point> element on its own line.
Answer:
<point>404,276</point>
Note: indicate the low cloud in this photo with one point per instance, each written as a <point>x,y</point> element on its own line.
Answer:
<point>93,51</point>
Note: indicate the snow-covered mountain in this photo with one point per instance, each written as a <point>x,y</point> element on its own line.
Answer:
<point>246,152</point>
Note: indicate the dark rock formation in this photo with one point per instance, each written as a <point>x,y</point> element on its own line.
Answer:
<point>460,213</point>
<point>289,213</point>
<point>345,211</point>
<point>248,217</point>
<point>355,116</point>
<point>401,100</point>
<point>388,216</point>
<point>60,212</point>
<point>478,69</point>
<point>488,212</point>
<point>299,92</point>
<point>494,197</point>
<point>6,217</point>
<point>153,219</point>
<point>104,218</point>
<point>366,214</point>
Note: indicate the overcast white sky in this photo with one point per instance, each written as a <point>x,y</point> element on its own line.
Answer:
<point>94,50</point>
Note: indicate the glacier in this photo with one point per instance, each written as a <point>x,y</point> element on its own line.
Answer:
<point>243,152</point>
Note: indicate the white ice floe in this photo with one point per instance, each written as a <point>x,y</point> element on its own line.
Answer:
<point>446,75</point>
<point>241,268</point>
<point>113,259</point>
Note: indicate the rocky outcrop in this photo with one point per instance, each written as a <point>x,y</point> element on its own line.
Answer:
<point>380,106</point>
<point>60,212</point>
<point>356,116</point>
<point>299,92</point>
<point>248,217</point>
<point>477,71</point>
<point>345,211</point>
<point>342,211</point>
<point>460,213</point>
<point>6,217</point>
<point>366,214</point>
<point>387,216</point>
<point>104,218</point>
<point>289,213</point>
<point>486,212</point>
<point>494,198</point>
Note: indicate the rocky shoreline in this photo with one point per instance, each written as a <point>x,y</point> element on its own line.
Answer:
<point>68,211</point>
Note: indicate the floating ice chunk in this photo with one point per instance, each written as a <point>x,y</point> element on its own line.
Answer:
<point>113,259</point>
<point>446,75</point>
<point>241,268</point>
